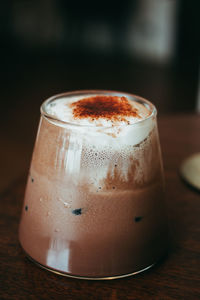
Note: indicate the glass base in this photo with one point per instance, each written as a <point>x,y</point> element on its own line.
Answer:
<point>87,277</point>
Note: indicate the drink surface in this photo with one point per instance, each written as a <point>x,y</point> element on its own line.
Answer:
<point>98,110</point>
<point>94,199</point>
<point>106,120</point>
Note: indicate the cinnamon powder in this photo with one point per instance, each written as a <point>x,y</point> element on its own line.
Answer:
<point>112,108</point>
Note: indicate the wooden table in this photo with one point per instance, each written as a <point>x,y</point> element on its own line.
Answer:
<point>177,277</point>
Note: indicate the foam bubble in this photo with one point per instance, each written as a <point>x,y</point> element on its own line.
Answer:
<point>103,165</point>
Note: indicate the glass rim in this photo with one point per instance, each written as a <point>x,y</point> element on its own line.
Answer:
<point>132,97</point>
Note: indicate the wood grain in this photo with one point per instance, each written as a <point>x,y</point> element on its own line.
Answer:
<point>176,277</point>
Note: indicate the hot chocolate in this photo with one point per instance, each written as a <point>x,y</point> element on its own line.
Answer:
<point>94,203</point>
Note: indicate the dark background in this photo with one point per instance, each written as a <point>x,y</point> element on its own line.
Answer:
<point>146,47</point>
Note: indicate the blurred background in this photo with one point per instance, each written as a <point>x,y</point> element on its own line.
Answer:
<point>146,47</point>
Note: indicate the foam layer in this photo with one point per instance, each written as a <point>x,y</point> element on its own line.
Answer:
<point>98,110</point>
<point>104,120</point>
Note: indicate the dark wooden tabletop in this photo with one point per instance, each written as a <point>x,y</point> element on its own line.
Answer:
<point>176,277</point>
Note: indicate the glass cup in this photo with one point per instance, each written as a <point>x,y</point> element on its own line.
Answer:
<point>94,202</point>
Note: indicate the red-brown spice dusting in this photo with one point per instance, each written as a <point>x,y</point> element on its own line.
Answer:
<point>112,108</point>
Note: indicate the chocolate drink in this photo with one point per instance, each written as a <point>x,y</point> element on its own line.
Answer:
<point>94,204</point>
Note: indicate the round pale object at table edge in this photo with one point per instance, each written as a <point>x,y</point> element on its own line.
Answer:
<point>190,170</point>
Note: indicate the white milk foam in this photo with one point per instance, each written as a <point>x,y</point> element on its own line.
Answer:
<point>61,109</point>
<point>103,132</point>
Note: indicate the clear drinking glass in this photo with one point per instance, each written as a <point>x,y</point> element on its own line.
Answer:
<point>94,202</point>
